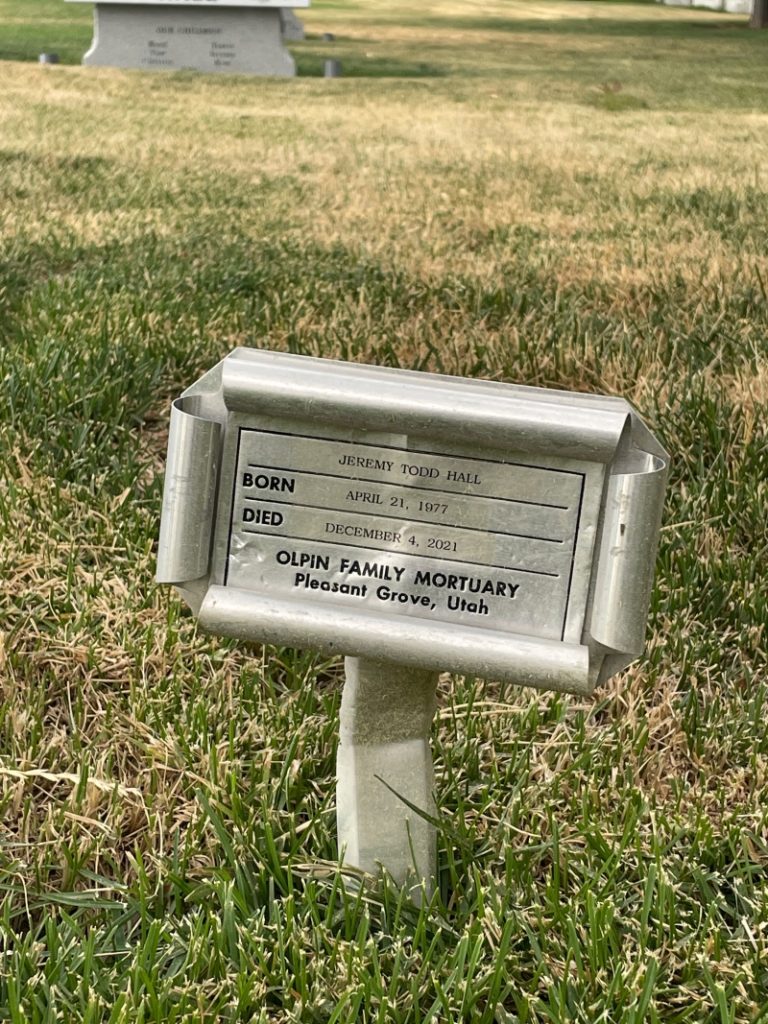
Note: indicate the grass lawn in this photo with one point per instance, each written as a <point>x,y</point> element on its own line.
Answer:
<point>564,194</point>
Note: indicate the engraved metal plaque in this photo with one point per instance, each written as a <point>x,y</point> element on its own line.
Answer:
<point>432,521</point>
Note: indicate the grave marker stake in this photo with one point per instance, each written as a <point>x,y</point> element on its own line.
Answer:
<point>416,524</point>
<point>385,759</point>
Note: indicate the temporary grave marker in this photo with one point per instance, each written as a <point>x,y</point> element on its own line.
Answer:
<point>415,523</point>
<point>235,36</point>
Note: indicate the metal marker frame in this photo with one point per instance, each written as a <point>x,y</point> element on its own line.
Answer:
<point>556,501</point>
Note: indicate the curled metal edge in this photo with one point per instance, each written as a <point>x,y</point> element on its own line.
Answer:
<point>625,563</point>
<point>438,646</point>
<point>189,496</point>
<point>574,425</point>
<point>623,579</point>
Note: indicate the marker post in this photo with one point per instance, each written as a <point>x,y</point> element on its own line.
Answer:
<point>384,764</point>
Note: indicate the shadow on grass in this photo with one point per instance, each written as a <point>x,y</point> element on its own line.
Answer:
<point>618,27</point>
<point>311,64</point>
<point>27,42</point>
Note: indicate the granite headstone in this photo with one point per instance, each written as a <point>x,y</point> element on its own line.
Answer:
<point>219,36</point>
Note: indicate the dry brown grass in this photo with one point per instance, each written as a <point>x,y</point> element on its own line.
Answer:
<point>505,225</point>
